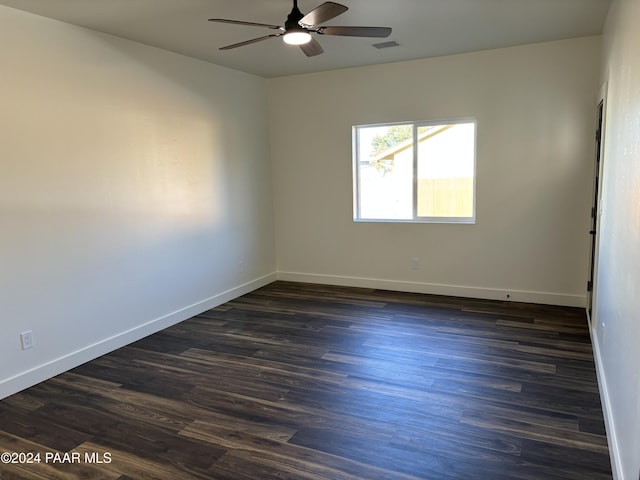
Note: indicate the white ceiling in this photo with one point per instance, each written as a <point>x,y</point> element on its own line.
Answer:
<point>422,28</point>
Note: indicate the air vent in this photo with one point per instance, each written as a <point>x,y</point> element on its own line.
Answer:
<point>382,45</point>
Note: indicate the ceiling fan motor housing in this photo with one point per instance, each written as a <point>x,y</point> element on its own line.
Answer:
<point>294,17</point>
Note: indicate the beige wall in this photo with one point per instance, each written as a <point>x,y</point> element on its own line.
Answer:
<point>134,192</point>
<point>617,312</point>
<point>535,108</point>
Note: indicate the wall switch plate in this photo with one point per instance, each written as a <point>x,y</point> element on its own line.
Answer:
<point>26,339</point>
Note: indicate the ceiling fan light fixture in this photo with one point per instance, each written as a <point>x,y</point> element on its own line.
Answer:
<point>297,37</point>
<point>298,28</point>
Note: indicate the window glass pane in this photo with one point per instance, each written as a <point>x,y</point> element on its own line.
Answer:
<point>446,169</point>
<point>385,172</point>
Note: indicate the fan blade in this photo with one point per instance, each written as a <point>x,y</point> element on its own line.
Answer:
<point>312,48</point>
<point>248,42</point>
<point>321,14</point>
<point>251,24</point>
<point>380,32</point>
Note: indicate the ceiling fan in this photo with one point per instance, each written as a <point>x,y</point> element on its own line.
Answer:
<point>298,28</point>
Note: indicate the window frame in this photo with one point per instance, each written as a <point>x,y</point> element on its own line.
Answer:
<point>415,218</point>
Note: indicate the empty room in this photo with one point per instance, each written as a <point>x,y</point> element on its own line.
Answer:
<point>320,240</point>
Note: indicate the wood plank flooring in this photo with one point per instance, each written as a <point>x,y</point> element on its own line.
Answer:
<point>300,381</point>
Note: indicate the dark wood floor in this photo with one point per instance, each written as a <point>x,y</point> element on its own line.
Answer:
<point>298,381</point>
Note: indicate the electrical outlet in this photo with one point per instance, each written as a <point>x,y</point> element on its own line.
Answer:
<point>26,339</point>
<point>415,264</point>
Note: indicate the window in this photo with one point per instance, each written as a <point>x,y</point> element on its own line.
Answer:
<point>415,172</point>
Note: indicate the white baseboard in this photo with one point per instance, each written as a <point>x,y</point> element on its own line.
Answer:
<point>614,450</point>
<point>59,365</point>
<point>545,298</point>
